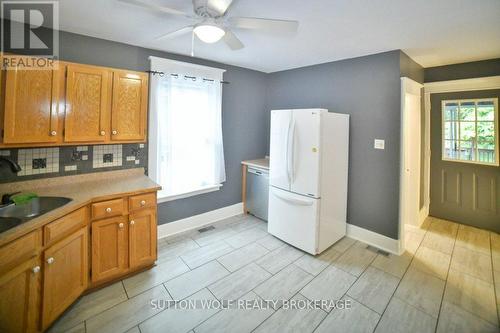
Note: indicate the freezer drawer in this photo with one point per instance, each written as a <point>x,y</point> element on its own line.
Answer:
<point>294,219</point>
<point>257,195</point>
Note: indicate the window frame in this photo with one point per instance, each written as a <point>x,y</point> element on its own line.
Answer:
<point>495,129</point>
<point>174,66</point>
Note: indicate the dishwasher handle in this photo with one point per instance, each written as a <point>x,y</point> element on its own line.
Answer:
<point>257,172</point>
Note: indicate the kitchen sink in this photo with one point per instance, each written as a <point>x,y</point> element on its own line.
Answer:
<point>13,215</point>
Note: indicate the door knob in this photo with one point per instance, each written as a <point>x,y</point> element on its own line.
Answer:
<point>53,133</point>
<point>143,202</point>
<point>103,133</point>
<point>120,225</point>
<point>132,222</point>
<point>36,269</point>
<point>108,210</point>
<point>114,132</point>
<point>50,261</point>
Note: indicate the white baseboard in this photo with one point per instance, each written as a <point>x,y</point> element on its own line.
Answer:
<point>197,221</point>
<point>372,238</point>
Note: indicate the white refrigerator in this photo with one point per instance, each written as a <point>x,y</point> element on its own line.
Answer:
<point>308,177</point>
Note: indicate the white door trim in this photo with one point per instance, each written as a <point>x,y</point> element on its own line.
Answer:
<point>483,83</point>
<point>408,86</point>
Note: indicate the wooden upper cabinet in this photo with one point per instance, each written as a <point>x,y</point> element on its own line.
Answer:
<point>87,104</point>
<point>20,298</point>
<point>142,238</point>
<point>65,274</point>
<point>129,107</point>
<point>31,106</point>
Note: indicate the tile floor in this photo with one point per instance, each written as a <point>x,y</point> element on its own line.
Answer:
<point>444,282</point>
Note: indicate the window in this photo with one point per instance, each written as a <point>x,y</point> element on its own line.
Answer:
<point>185,147</point>
<point>470,131</point>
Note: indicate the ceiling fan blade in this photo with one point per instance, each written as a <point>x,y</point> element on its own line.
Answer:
<point>176,33</point>
<point>232,41</point>
<point>152,6</point>
<point>264,24</point>
<point>219,6</point>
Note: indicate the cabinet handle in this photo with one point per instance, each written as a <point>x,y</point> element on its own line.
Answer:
<point>114,132</point>
<point>103,133</point>
<point>53,133</point>
<point>50,261</point>
<point>143,202</point>
<point>120,225</point>
<point>36,269</point>
<point>108,210</point>
<point>132,222</point>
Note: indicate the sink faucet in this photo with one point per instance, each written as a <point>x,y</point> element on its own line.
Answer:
<point>14,167</point>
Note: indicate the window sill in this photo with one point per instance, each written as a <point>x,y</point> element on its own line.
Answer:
<point>208,189</point>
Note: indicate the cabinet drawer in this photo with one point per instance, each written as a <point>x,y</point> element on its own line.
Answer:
<point>20,249</point>
<point>147,200</point>
<point>108,208</point>
<point>65,225</point>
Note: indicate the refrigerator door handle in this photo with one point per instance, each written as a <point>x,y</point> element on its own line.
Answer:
<point>290,150</point>
<point>287,152</point>
<point>295,201</point>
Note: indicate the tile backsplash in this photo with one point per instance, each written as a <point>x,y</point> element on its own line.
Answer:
<point>38,163</point>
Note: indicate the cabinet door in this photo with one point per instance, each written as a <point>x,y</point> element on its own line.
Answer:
<point>109,248</point>
<point>31,106</point>
<point>65,274</point>
<point>142,238</point>
<point>20,298</point>
<point>87,104</point>
<point>129,108</point>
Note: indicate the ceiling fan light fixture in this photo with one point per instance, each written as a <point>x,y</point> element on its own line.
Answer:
<point>209,33</point>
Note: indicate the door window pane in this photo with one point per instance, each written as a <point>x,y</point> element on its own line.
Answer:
<point>467,130</point>
<point>451,111</point>
<point>468,111</point>
<point>485,111</point>
<point>470,131</point>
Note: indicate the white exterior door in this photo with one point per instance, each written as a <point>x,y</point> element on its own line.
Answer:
<point>305,152</point>
<point>279,175</point>
<point>294,219</point>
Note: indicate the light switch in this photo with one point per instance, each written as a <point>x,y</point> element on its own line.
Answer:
<point>379,144</point>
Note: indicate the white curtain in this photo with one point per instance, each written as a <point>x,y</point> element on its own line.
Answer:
<point>189,149</point>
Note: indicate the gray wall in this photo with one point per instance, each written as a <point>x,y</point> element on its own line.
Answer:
<point>463,71</point>
<point>368,89</point>
<point>243,113</point>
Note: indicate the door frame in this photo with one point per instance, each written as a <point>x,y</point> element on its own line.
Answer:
<point>483,83</point>
<point>408,86</point>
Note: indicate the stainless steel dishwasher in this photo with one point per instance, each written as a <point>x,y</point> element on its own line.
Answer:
<point>257,195</point>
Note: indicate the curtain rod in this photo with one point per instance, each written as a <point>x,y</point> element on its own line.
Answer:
<point>185,76</point>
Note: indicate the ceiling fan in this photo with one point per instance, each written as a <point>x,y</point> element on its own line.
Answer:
<point>212,23</point>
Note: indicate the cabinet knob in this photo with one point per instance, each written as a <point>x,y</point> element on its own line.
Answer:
<point>115,132</point>
<point>103,133</point>
<point>53,133</point>
<point>108,210</point>
<point>50,261</point>
<point>132,222</point>
<point>120,225</point>
<point>36,269</point>
<point>143,202</point>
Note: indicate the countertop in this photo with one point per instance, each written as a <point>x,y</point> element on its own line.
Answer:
<point>83,189</point>
<point>262,163</point>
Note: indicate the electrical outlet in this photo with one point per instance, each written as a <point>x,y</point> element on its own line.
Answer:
<point>379,144</point>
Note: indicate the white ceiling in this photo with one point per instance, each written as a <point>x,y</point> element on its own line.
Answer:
<point>432,32</point>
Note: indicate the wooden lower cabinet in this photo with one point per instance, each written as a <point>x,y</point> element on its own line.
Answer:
<point>109,248</point>
<point>65,274</point>
<point>20,298</point>
<point>142,238</point>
